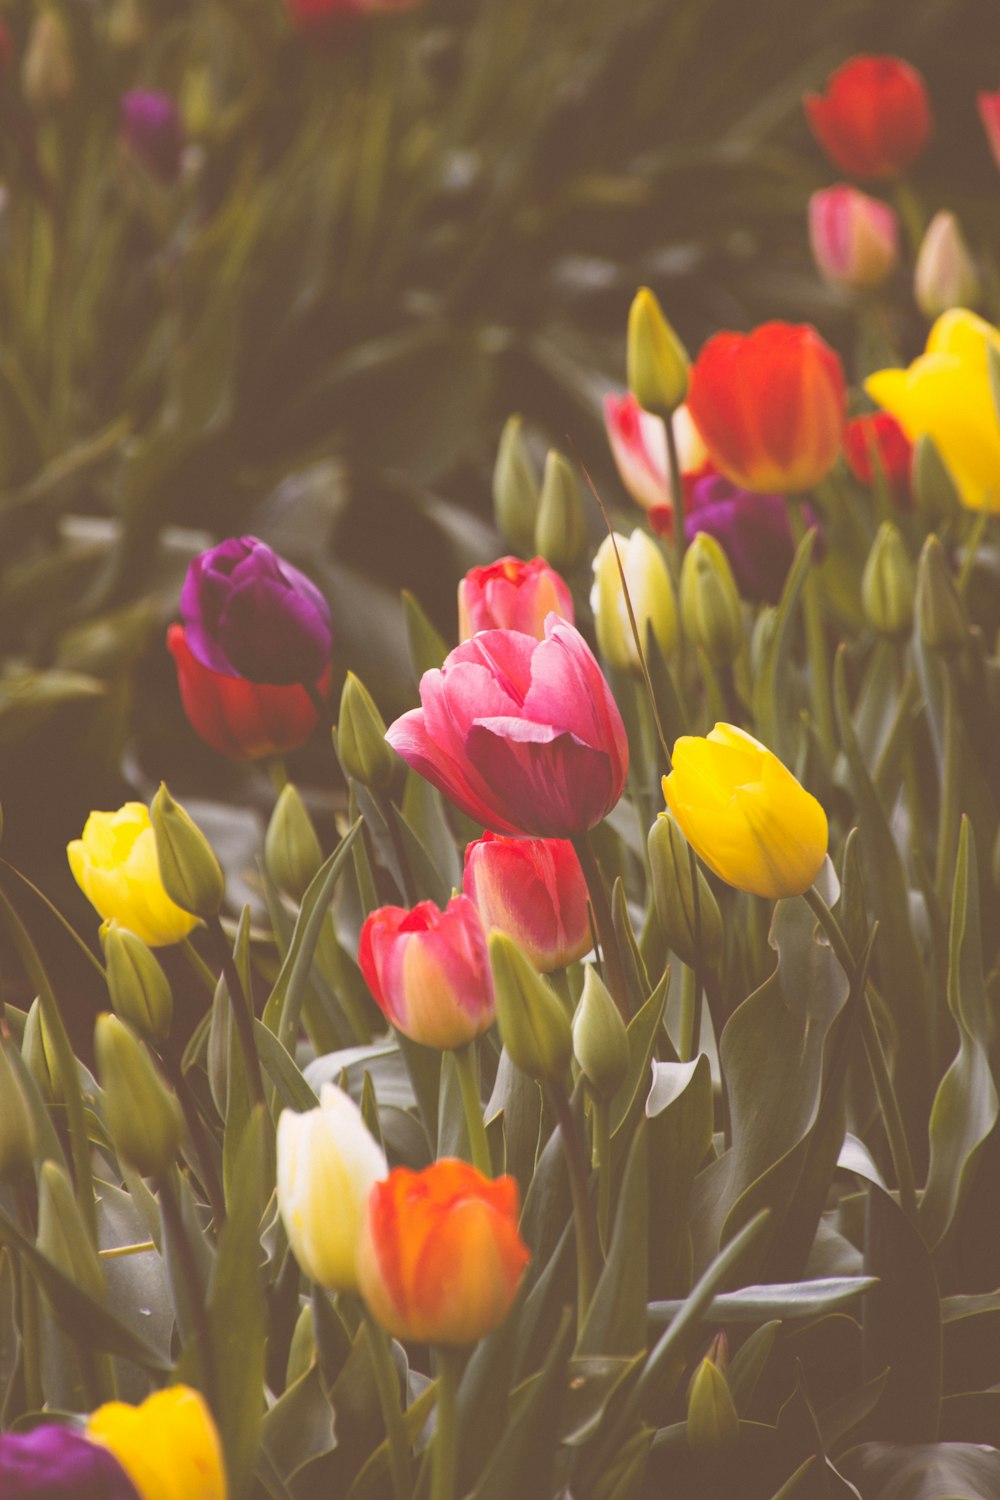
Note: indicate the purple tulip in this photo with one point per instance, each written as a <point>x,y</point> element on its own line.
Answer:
<point>248,613</point>
<point>753,530</point>
<point>152,133</point>
<point>58,1463</point>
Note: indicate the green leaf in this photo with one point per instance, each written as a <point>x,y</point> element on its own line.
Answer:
<point>923,1471</point>
<point>291,1087</point>
<point>775,663</point>
<point>902,1323</point>
<point>522,1462</point>
<point>427,646</point>
<point>748,1364</point>
<point>679,1109</point>
<point>616,1319</point>
<point>788,1299</point>
<point>643,1030</point>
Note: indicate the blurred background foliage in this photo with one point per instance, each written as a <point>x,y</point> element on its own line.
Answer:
<point>379,246</point>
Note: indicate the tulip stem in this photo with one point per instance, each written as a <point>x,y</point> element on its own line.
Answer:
<point>278,772</point>
<point>466,1062</point>
<point>602,1153</point>
<point>587,1254</point>
<point>387,1381</point>
<point>31,1371</point>
<point>445,1459</point>
<point>239,1005</point>
<point>949,810</point>
<point>690,1015</point>
<point>189,1279</point>
<point>816,649</point>
<point>611,952</point>
<point>677,490</point>
<point>881,1078</point>
<point>199,1137</point>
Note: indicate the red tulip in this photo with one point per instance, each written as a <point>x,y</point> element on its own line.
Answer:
<point>241,719</point>
<point>877,438</point>
<point>523,735</point>
<point>429,971</point>
<point>989,113</point>
<point>874,119</point>
<point>511,595</point>
<point>534,891</point>
<point>770,406</point>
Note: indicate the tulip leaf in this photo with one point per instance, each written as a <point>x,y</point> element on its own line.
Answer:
<point>901,1322</point>
<point>787,1299</point>
<point>616,1318</point>
<point>424,814</point>
<point>522,1462</point>
<point>519,1098</point>
<point>291,1087</point>
<point>238,1088</point>
<point>299,1427</point>
<point>748,1364</point>
<point>679,1109</point>
<point>427,646</point>
<point>923,1471</point>
<point>643,1030</point>
<point>772,671</point>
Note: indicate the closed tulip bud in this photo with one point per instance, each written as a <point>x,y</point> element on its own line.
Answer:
<point>62,1235</point>
<point>712,1421</point>
<point>945,274</point>
<point>941,618</point>
<point>361,744</point>
<point>168,1445</point>
<point>534,1027</point>
<point>854,238</point>
<point>600,1040</point>
<point>888,585</point>
<point>139,990</point>
<point>651,594</point>
<point>48,72</point>
<point>192,876</point>
<point>18,1137</point>
<point>534,891</point>
<point>657,360</point>
<point>515,488</point>
<point>326,1157</point>
<point>143,1116</point>
<point>673,893</point>
<point>560,526</point>
<point>291,849</point>
<point>710,601</point>
<point>512,595</point>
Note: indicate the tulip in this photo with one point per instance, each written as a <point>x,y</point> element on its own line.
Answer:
<point>534,891</point>
<point>440,1258</point>
<point>651,594</point>
<point>512,595</point>
<point>600,1040</point>
<point>55,1462</point>
<point>753,530</point>
<point>941,619</point>
<point>946,395</point>
<point>116,866</point>
<point>152,134</point>
<point>292,851</point>
<point>989,113</point>
<point>143,1116</point>
<point>876,442</point>
<point>744,813</point>
<point>534,1026</point>
<point>360,740</point>
<point>854,238</point>
<point>139,990</point>
<point>189,868</point>
<point>874,119</point>
<point>888,585</point>
<point>429,971</point>
<point>560,525</point>
<point>710,602</point>
<point>945,274</point>
<point>639,447</point>
<point>657,360</point>
<point>515,488</point>
<point>168,1445</point>
<point>770,406</point>
<point>327,1163</point>
<point>523,735</point>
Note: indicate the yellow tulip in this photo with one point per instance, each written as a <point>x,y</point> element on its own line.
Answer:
<point>946,394</point>
<point>168,1446</point>
<point>115,865</point>
<point>745,814</point>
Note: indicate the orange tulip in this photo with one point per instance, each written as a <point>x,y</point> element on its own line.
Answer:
<point>440,1258</point>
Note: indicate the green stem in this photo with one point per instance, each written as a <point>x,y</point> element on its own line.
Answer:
<point>199,1136</point>
<point>888,1104</point>
<point>445,1455</point>
<point>602,1151</point>
<point>587,1255</point>
<point>909,210</point>
<point>239,1006</point>
<point>34,1394</point>
<point>387,1381</point>
<point>951,791</point>
<point>466,1061</point>
<point>819,663</point>
<point>173,1220</point>
<point>677,491</point>
<point>198,964</point>
<point>613,965</point>
<point>278,772</point>
<point>690,1005</point>
<point>559,980</point>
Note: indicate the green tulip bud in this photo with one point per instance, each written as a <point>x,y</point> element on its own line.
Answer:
<point>191,875</point>
<point>18,1137</point>
<point>560,526</point>
<point>362,748</point>
<point>710,601</point>
<point>139,990</point>
<point>888,585</point>
<point>651,594</point>
<point>940,615</point>
<point>600,1040</point>
<point>673,894</point>
<point>712,1421</point>
<point>62,1234</point>
<point>515,488</point>
<point>657,360</point>
<point>533,1024</point>
<point>933,487</point>
<point>143,1116</point>
<point>36,1058</point>
<point>291,849</point>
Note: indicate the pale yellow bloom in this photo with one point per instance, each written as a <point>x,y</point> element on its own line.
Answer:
<point>649,589</point>
<point>168,1446</point>
<point>115,865</point>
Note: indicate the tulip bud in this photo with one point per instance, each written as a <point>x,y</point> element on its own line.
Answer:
<point>940,615</point>
<point>18,1137</point>
<point>48,72</point>
<point>192,876</point>
<point>854,238</point>
<point>945,274</point>
<point>673,894</point>
<point>361,745</point>
<point>143,1116</point>
<point>62,1234</point>
<point>712,1421</point>
<point>600,1040</point>
<point>888,585</point>
<point>291,849</point>
<point>515,488</point>
<point>560,526</point>
<point>533,1024</point>
<point>657,360</point>
<point>651,594</point>
<point>710,601</point>
<point>35,1056</point>
<point>139,990</point>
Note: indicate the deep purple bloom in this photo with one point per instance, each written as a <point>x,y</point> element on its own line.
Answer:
<point>248,613</point>
<point>753,530</point>
<point>152,133</point>
<point>58,1463</point>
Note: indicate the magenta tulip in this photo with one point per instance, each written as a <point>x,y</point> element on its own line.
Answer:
<point>534,891</point>
<point>521,734</point>
<point>512,595</point>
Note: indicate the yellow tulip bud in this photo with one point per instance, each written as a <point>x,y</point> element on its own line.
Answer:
<point>657,360</point>
<point>600,1040</point>
<point>745,814</point>
<point>143,1116</point>
<point>139,990</point>
<point>560,526</point>
<point>941,617</point>
<point>291,849</point>
<point>673,895</point>
<point>651,594</point>
<point>362,748</point>
<point>515,488</point>
<point>115,865</point>
<point>168,1445</point>
<point>191,874</point>
<point>710,601</point>
<point>533,1024</point>
<point>18,1136</point>
<point>888,585</point>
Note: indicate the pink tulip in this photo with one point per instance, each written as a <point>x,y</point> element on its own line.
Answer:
<point>534,891</point>
<point>429,971</point>
<point>639,447</point>
<point>989,113</point>
<point>511,595</point>
<point>523,735</point>
<point>854,238</point>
